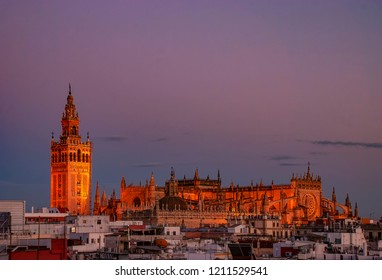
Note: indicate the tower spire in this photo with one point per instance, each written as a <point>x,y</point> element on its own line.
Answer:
<point>334,198</point>
<point>152,179</point>
<point>347,200</point>
<point>196,176</point>
<point>70,121</point>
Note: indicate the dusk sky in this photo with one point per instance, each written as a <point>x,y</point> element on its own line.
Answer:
<point>256,89</point>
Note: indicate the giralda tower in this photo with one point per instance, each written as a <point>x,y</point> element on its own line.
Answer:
<point>71,165</point>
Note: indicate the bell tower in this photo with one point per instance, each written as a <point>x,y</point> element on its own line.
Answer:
<point>70,164</point>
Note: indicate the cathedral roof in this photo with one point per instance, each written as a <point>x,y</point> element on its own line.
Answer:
<point>172,203</point>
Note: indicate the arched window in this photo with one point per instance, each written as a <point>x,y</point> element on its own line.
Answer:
<point>87,158</point>
<point>52,158</point>
<point>74,156</point>
<point>137,202</point>
<point>70,157</point>
<point>74,130</point>
<point>79,155</point>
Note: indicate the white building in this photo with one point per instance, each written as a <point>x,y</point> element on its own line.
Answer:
<point>350,241</point>
<point>16,208</point>
<point>174,231</point>
<point>88,233</point>
<point>239,229</point>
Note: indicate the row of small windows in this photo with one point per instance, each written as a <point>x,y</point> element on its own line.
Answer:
<point>279,234</point>
<point>73,131</point>
<point>77,157</point>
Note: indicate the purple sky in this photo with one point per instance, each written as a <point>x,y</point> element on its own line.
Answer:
<point>253,88</point>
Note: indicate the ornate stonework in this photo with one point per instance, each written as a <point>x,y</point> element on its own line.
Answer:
<point>70,165</point>
<point>298,202</point>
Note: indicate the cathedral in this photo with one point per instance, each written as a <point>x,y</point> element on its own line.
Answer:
<point>199,201</point>
<point>181,201</point>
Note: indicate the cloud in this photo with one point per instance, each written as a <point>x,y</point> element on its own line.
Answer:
<point>286,160</point>
<point>112,138</point>
<point>315,153</point>
<point>149,164</point>
<point>292,164</point>
<point>282,157</point>
<point>374,145</point>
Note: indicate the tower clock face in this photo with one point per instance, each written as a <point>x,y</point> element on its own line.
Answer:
<point>310,202</point>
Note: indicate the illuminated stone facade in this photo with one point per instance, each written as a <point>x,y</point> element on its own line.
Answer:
<point>71,165</point>
<point>196,201</point>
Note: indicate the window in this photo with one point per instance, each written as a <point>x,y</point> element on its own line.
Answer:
<point>99,222</point>
<point>137,202</point>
